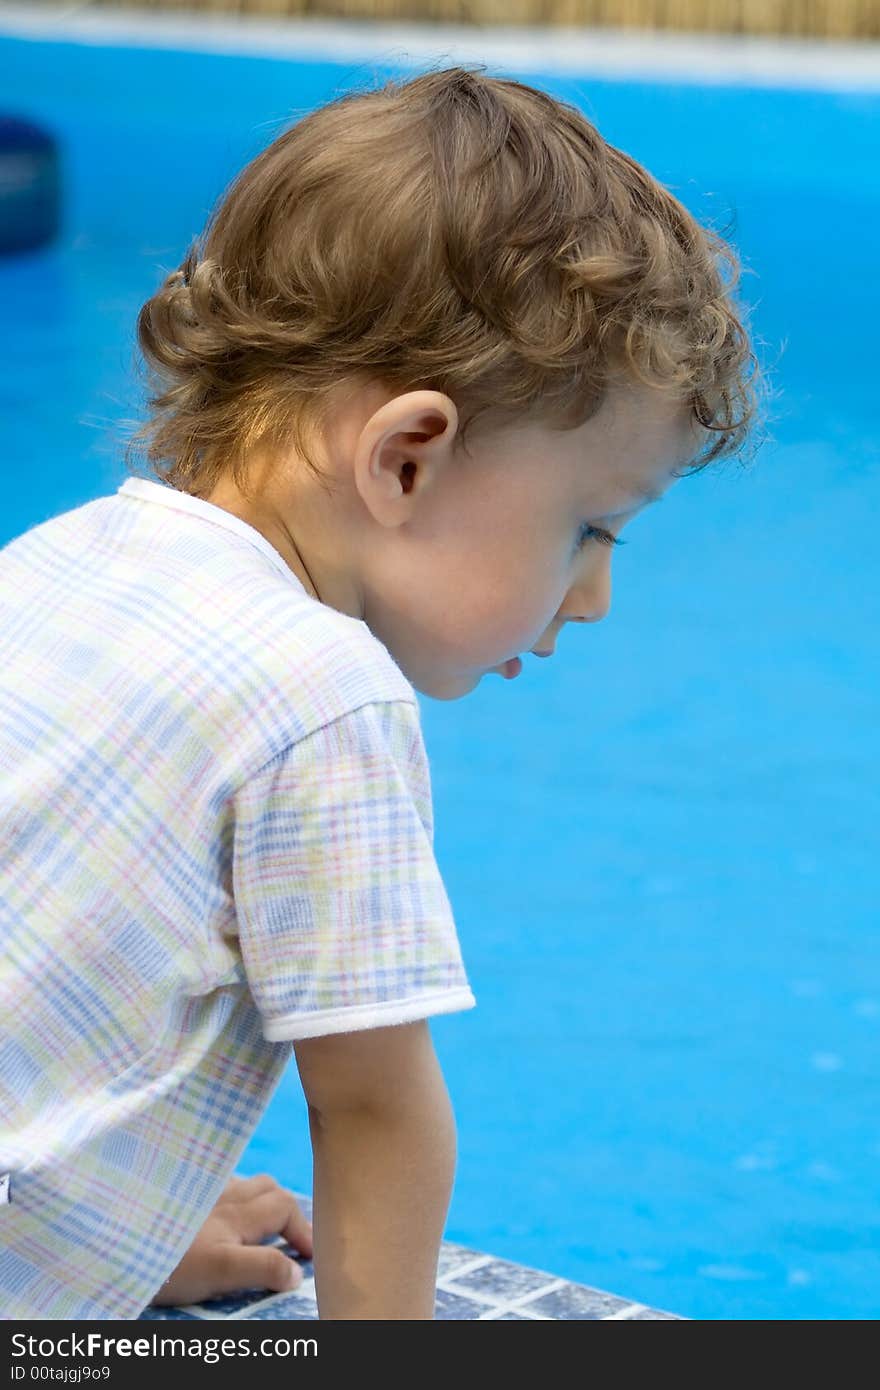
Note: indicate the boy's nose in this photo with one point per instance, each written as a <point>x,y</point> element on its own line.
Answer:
<point>597,610</point>
<point>594,617</point>
<point>589,600</point>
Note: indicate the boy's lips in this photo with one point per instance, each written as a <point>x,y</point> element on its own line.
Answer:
<point>509,669</point>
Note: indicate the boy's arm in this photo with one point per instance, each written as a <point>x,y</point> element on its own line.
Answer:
<point>384,1149</point>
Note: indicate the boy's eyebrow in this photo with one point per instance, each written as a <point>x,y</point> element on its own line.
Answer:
<point>644,494</point>
<point>640,494</point>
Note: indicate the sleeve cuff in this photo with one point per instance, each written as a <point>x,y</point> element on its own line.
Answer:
<point>292,1027</point>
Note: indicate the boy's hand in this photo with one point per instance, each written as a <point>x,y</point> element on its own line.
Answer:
<point>225,1256</point>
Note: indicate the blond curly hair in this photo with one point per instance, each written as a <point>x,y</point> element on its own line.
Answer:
<point>458,232</point>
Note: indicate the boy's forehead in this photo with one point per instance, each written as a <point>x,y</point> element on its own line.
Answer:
<point>665,466</point>
<point>639,471</point>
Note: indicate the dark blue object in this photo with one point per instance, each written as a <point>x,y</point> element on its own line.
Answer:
<point>30,194</point>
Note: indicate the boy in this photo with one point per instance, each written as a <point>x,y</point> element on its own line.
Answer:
<point>440,343</point>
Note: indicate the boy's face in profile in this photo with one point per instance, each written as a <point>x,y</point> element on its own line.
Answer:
<point>458,562</point>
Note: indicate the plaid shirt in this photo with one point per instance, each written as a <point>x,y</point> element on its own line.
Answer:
<point>216,837</point>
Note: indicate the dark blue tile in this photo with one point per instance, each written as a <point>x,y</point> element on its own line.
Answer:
<point>233,1302</point>
<point>242,1298</point>
<point>452,1257</point>
<point>501,1280</point>
<point>576,1301</point>
<point>163,1314</point>
<point>654,1313</point>
<point>462,1293</point>
<point>285,1305</point>
<point>453,1307</point>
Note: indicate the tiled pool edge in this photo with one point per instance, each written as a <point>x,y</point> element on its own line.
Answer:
<point>653,55</point>
<point>471,1285</point>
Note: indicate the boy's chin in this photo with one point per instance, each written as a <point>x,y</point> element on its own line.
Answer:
<point>451,687</point>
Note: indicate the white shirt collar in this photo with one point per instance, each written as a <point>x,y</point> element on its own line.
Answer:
<point>149,491</point>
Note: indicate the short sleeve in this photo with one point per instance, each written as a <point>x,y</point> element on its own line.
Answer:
<point>343,918</point>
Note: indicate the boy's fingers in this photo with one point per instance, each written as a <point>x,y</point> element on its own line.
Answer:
<point>297,1229</point>
<point>242,1189</point>
<point>273,1213</point>
<point>232,1190</point>
<point>255,1267</point>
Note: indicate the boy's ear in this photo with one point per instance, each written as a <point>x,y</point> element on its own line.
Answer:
<point>400,450</point>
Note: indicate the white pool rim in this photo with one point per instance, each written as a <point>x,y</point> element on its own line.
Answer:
<point>656,55</point>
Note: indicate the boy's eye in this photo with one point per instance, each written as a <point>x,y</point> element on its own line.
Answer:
<point>596,533</point>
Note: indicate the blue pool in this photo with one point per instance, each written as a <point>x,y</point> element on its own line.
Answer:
<point>662,846</point>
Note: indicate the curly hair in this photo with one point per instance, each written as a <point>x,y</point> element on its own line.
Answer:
<point>464,233</point>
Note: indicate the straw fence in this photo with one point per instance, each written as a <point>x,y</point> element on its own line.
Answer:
<point>842,19</point>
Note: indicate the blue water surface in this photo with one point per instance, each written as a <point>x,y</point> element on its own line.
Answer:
<point>661,847</point>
